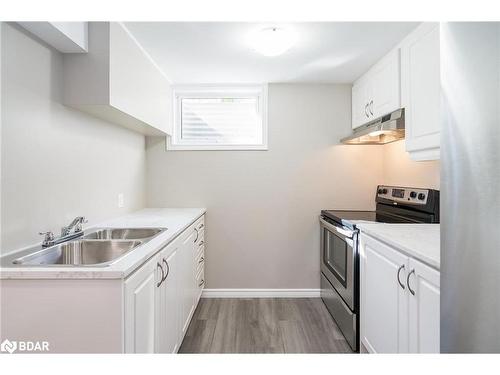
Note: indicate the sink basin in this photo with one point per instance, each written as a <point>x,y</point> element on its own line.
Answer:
<point>81,252</point>
<point>124,233</point>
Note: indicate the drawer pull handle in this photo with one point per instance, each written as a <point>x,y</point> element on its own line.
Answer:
<point>197,234</point>
<point>408,282</point>
<point>201,226</point>
<point>399,280</point>
<point>201,243</point>
<point>158,265</point>
<point>202,259</point>
<point>168,269</point>
<point>202,282</point>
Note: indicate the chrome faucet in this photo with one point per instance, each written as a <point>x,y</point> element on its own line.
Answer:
<point>66,235</point>
<point>76,223</point>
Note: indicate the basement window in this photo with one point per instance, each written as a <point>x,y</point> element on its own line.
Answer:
<point>219,118</point>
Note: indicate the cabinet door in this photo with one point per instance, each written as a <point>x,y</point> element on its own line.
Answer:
<point>141,298</point>
<point>168,309</point>
<point>424,314</point>
<point>385,93</point>
<point>420,83</point>
<point>187,279</point>
<point>359,104</point>
<point>384,303</point>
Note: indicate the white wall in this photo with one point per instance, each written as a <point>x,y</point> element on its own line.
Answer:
<point>57,163</point>
<point>400,170</point>
<point>263,206</point>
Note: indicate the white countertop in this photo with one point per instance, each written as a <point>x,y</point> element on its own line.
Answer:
<point>175,219</point>
<point>420,241</point>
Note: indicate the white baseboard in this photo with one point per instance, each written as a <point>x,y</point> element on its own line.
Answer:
<point>260,293</point>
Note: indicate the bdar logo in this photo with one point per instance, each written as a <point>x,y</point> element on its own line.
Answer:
<point>8,346</point>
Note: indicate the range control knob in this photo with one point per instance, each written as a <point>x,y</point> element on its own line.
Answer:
<point>384,191</point>
<point>421,196</point>
<point>413,195</point>
<point>379,191</point>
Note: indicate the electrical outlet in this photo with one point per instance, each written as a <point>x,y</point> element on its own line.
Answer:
<point>121,199</point>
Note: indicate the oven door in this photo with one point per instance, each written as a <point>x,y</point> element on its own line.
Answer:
<point>338,251</point>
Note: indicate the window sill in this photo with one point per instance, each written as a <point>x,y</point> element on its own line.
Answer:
<point>171,147</point>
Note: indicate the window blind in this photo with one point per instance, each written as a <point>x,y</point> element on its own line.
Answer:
<point>224,120</point>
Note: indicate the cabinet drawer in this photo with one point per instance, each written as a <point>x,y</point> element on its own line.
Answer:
<point>201,238</point>
<point>199,224</point>
<point>200,262</point>
<point>200,279</point>
<point>199,245</point>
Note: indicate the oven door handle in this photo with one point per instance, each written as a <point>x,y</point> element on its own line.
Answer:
<point>343,233</point>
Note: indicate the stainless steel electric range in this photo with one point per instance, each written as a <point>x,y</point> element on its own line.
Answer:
<point>339,248</point>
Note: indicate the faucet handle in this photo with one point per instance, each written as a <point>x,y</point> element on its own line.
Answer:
<point>49,236</point>
<point>78,227</point>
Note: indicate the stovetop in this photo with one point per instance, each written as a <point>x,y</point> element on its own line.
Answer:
<point>394,205</point>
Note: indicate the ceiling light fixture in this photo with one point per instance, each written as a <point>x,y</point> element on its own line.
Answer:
<point>272,41</point>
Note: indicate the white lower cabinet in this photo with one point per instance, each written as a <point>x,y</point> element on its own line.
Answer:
<point>399,301</point>
<point>167,311</point>
<point>160,297</point>
<point>424,309</point>
<point>141,299</point>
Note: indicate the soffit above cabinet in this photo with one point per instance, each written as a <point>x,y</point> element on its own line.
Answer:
<point>117,81</point>
<point>66,37</point>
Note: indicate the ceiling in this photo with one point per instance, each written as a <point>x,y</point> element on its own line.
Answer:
<point>219,52</point>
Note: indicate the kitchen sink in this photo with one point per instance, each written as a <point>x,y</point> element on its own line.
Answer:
<point>80,253</point>
<point>124,233</point>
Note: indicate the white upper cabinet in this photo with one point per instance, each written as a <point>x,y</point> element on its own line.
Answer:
<point>118,82</point>
<point>420,91</point>
<point>377,92</point>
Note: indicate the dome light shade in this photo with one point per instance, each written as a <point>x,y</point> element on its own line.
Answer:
<point>272,41</point>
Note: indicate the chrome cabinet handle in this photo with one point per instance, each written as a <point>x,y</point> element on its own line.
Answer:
<point>168,269</point>
<point>399,280</point>
<point>370,107</point>
<point>158,265</point>
<point>408,282</point>
<point>197,234</point>
<point>366,108</point>
<point>201,226</point>
<point>201,243</point>
<point>202,259</point>
<point>202,282</point>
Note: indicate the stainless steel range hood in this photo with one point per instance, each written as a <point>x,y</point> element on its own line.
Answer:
<point>385,129</point>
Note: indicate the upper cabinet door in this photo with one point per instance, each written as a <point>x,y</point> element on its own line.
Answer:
<point>420,91</point>
<point>377,92</point>
<point>359,115</point>
<point>424,313</point>
<point>386,86</point>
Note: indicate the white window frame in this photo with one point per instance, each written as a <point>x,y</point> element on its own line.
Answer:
<point>243,91</point>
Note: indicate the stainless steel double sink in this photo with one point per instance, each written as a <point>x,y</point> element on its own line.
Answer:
<point>100,247</point>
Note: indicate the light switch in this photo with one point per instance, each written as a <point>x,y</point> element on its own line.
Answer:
<point>121,203</point>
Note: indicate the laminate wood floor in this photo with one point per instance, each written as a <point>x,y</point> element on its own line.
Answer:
<point>263,325</point>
